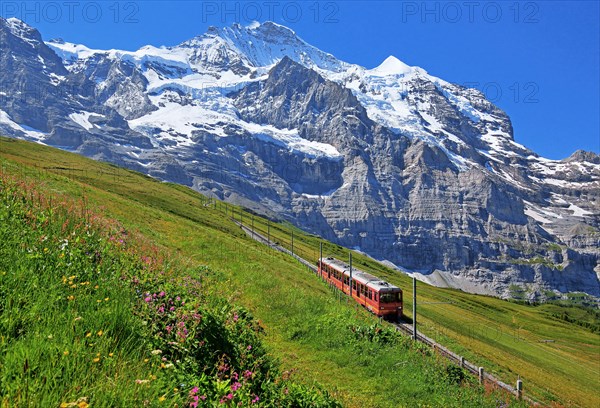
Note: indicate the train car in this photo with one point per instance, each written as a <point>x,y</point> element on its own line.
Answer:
<point>380,297</point>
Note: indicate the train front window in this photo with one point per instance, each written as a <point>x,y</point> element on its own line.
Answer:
<point>388,297</point>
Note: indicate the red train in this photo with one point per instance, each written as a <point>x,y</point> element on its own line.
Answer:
<point>380,297</point>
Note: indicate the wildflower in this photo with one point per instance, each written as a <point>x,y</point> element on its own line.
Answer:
<point>96,287</point>
<point>77,318</point>
<point>247,374</point>
<point>249,347</point>
<point>50,336</point>
<point>96,359</point>
<point>236,386</point>
<point>235,317</point>
<point>88,334</point>
<point>66,353</point>
<point>161,399</point>
<point>71,297</point>
<point>161,294</point>
<point>155,352</point>
<point>111,354</point>
<point>203,397</point>
<point>172,309</point>
<point>141,381</point>
<point>106,299</point>
<point>148,299</point>
<point>229,396</point>
<point>194,391</point>
<point>255,399</point>
<point>99,301</point>
<point>100,333</point>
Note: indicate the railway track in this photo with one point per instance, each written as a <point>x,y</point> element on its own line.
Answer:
<point>406,328</point>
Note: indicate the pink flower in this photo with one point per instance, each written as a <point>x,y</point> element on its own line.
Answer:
<point>161,309</point>
<point>194,391</point>
<point>203,397</point>
<point>247,374</point>
<point>172,309</point>
<point>255,399</point>
<point>235,317</point>
<point>148,299</point>
<point>161,294</point>
<point>236,386</point>
<point>229,396</point>
<point>194,404</point>
<point>249,348</point>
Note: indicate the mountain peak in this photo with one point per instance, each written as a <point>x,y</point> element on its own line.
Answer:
<point>391,66</point>
<point>19,28</point>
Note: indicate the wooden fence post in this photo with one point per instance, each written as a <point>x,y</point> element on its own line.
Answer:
<point>519,389</point>
<point>481,374</point>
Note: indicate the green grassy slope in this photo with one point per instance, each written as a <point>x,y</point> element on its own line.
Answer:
<point>308,328</point>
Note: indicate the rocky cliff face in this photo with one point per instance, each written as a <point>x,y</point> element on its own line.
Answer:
<point>403,165</point>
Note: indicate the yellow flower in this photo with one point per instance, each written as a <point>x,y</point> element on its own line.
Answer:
<point>66,353</point>
<point>106,299</point>
<point>110,354</point>
<point>88,334</point>
<point>71,297</point>
<point>96,287</point>
<point>96,359</point>
<point>72,277</point>
<point>100,333</point>
<point>99,301</point>
<point>161,399</point>
<point>83,404</point>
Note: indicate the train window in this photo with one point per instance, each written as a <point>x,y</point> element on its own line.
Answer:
<point>370,294</point>
<point>388,297</point>
<point>375,296</point>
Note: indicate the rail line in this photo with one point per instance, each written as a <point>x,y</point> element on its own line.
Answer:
<point>473,369</point>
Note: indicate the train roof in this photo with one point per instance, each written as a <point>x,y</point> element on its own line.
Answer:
<point>361,276</point>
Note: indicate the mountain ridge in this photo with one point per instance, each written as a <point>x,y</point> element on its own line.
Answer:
<point>408,167</point>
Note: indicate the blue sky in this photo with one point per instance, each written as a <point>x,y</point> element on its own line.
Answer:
<point>537,60</point>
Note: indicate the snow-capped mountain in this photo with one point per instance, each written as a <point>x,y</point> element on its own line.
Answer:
<point>404,165</point>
